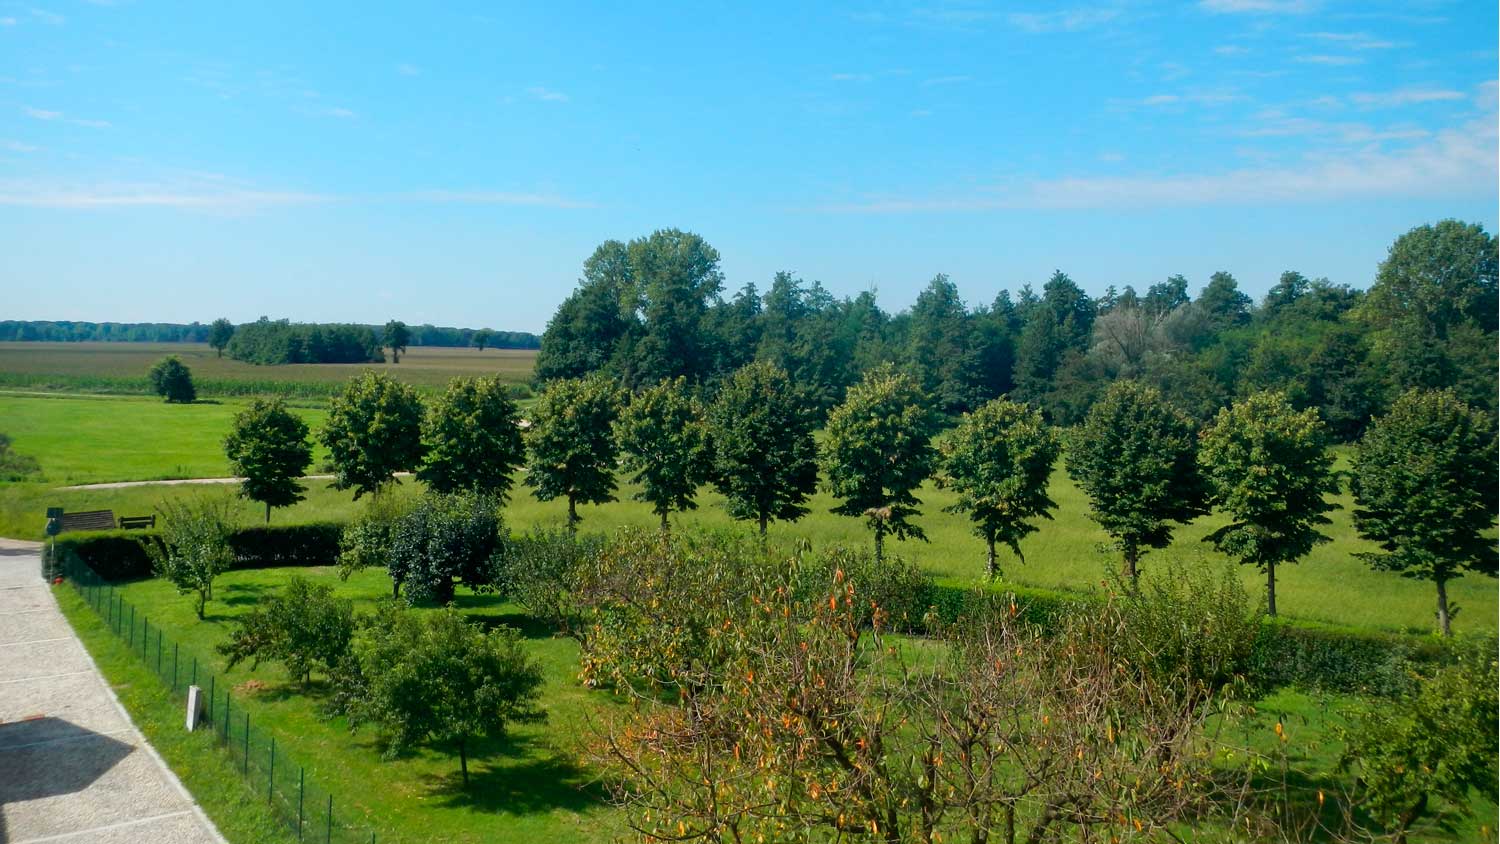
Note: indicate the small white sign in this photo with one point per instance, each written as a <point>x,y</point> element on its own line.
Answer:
<point>194,707</point>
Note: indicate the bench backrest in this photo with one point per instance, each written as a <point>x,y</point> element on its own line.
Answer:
<point>137,522</point>
<point>88,520</point>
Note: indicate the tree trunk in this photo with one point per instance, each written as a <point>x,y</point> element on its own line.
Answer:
<point>572,515</point>
<point>1271,589</point>
<point>268,512</point>
<point>665,527</point>
<point>992,567</point>
<point>1444,617</point>
<point>763,521</point>
<point>879,543</point>
<point>463,759</point>
<point>202,599</point>
<point>1132,557</point>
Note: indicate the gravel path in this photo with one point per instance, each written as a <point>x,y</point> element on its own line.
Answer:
<point>123,484</point>
<point>75,769</point>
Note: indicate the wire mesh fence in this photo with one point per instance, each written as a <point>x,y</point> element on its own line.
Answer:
<point>309,811</point>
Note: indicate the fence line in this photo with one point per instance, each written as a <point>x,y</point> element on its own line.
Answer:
<point>307,809</point>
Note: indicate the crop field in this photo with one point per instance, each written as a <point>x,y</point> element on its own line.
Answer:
<point>117,439</point>
<point>122,367</point>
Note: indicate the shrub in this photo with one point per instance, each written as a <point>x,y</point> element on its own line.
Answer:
<point>443,540</point>
<point>304,627</point>
<point>192,547</point>
<point>121,555</point>
<point>172,380</point>
<point>541,570</point>
<point>13,466</point>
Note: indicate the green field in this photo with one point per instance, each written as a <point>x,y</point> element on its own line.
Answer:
<point>115,439</point>
<point>122,367</point>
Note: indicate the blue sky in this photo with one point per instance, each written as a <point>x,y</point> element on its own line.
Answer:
<point>455,164</point>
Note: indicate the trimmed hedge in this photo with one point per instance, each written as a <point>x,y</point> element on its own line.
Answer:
<point>118,555</point>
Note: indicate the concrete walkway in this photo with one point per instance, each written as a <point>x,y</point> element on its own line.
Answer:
<point>73,768</point>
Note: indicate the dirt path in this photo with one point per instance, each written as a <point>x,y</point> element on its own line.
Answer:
<point>75,768</point>
<point>123,484</point>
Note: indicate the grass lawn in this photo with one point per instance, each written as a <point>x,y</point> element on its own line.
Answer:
<point>121,367</point>
<point>528,787</point>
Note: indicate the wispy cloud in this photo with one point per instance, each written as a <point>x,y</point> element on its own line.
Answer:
<point>18,146</point>
<point>1231,50</point>
<point>7,21</point>
<point>41,113</point>
<point>849,77</point>
<point>1257,7</point>
<point>946,80</point>
<point>47,17</point>
<point>1066,20</point>
<point>487,197</point>
<point>1207,98</point>
<point>201,197</point>
<point>48,115</point>
<point>547,95</point>
<point>1353,40</point>
<point>408,69</point>
<point>1404,97</point>
<point>1455,162</point>
<point>1328,60</point>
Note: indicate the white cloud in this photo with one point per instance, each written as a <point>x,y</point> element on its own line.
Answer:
<point>547,95</point>
<point>42,114</point>
<point>17,146</point>
<point>1354,40</point>
<point>186,196</point>
<point>1330,61</point>
<point>47,17</point>
<point>1161,99</point>
<point>7,21</point>
<point>1200,98</point>
<point>849,77</point>
<point>1456,162</point>
<point>1256,7</point>
<point>408,69</point>
<point>341,113</point>
<point>1231,50</point>
<point>485,197</point>
<point>1404,97</point>
<point>1067,20</point>
<point>946,80</point>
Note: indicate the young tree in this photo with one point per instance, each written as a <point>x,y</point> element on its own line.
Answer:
<point>435,678</point>
<point>219,334</point>
<point>193,544</point>
<point>472,439</point>
<point>878,451</point>
<point>662,440</point>
<point>268,446</point>
<point>303,627</point>
<point>374,430</point>
<point>172,380</point>
<point>1424,484</point>
<point>441,541</point>
<point>366,541</point>
<point>1137,458</point>
<point>482,338</point>
<point>1268,466</point>
<point>572,444</point>
<point>765,462</point>
<point>998,460</point>
<point>397,335</point>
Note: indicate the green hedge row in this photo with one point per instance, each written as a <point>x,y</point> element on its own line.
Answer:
<point>1287,653</point>
<point>119,555</point>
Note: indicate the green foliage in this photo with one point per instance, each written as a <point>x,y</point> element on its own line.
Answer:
<point>1421,754</point>
<point>366,540</point>
<point>303,627</point>
<point>663,441</point>
<point>939,342</point>
<point>219,334</point>
<point>435,678</point>
<point>192,546</point>
<point>572,444</point>
<point>1425,482</point>
<point>1268,467</point>
<point>1137,458</point>
<point>374,430</point>
<point>172,380</point>
<point>271,343</point>
<point>443,540</point>
<point>878,451</point>
<point>541,571</point>
<point>999,460</point>
<point>13,466</point>
<point>482,338</point>
<point>268,446</point>
<point>472,439</point>
<point>763,453</point>
<point>396,336</point>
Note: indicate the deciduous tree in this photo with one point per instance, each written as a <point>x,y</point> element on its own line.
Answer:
<point>1268,467</point>
<point>374,430</point>
<point>173,381</point>
<point>442,541</point>
<point>1424,485</point>
<point>192,547</point>
<point>571,443</point>
<point>878,451</point>
<point>998,460</point>
<point>396,336</point>
<point>219,334</point>
<point>303,627</point>
<point>764,457</point>
<point>471,439</point>
<point>268,446</point>
<point>1136,456</point>
<point>662,440</point>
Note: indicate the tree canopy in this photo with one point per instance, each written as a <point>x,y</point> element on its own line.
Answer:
<point>764,457</point>
<point>268,446</point>
<point>374,430</point>
<point>571,443</point>
<point>663,441</point>
<point>471,438</point>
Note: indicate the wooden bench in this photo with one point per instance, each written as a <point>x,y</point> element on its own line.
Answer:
<point>88,520</point>
<point>137,522</point>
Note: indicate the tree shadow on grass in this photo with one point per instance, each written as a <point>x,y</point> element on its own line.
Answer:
<point>528,627</point>
<point>517,776</point>
<point>239,594</point>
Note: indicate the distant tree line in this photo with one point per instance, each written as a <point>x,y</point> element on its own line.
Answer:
<point>655,309</point>
<point>70,331</point>
<point>272,342</point>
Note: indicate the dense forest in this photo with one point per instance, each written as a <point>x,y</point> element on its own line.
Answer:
<point>70,331</point>
<point>654,308</point>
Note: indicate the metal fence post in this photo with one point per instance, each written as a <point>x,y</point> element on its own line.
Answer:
<point>158,653</point>
<point>211,679</point>
<point>131,640</point>
<point>271,778</point>
<point>247,743</point>
<point>174,666</point>
<point>329,839</point>
<point>301,793</point>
